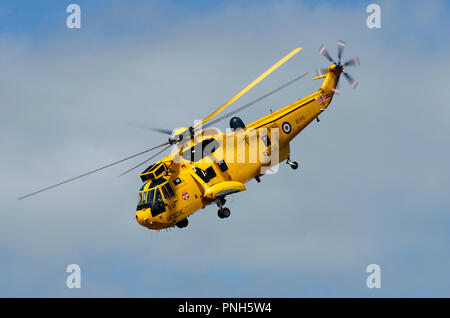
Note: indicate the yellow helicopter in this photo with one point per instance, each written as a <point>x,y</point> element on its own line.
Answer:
<point>206,165</point>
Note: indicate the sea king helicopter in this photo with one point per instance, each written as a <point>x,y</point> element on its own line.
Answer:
<point>206,165</point>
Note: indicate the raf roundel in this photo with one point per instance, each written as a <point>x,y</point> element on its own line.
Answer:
<point>286,127</point>
<point>185,195</point>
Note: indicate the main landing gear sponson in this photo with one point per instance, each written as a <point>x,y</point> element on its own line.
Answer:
<point>223,212</point>
<point>293,164</point>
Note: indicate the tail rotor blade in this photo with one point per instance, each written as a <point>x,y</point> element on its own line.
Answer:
<point>341,45</point>
<point>339,66</point>
<point>322,71</point>
<point>352,62</point>
<point>324,52</point>
<point>351,80</point>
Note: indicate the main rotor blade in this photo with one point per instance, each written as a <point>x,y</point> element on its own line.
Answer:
<point>250,86</point>
<point>351,62</point>
<point>146,160</point>
<point>160,130</point>
<point>90,172</point>
<point>351,80</point>
<point>255,101</point>
<point>324,52</point>
<point>341,45</point>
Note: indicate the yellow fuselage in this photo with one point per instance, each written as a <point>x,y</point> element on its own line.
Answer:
<point>196,184</point>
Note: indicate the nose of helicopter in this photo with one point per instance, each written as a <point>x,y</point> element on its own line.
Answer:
<point>144,219</point>
<point>140,218</point>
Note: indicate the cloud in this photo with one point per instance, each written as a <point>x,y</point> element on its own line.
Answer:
<point>373,174</point>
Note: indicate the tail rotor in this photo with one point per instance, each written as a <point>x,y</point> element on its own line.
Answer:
<point>352,62</point>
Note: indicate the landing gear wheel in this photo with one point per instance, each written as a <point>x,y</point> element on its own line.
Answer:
<point>223,213</point>
<point>182,223</point>
<point>294,165</point>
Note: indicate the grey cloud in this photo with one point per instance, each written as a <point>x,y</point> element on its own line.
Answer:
<point>372,186</point>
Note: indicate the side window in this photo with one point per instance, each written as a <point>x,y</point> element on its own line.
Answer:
<point>222,165</point>
<point>170,190</point>
<point>165,192</point>
<point>206,175</point>
<point>140,199</point>
<point>201,174</point>
<point>210,173</point>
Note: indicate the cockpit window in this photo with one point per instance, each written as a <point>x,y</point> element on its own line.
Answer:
<point>144,197</point>
<point>158,205</point>
<point>201,150</point>
<point>158,196</point>
<point>151,194</point>
<point>153,198</point>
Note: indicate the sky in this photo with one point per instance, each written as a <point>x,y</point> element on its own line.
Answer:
<point>372,187</point>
